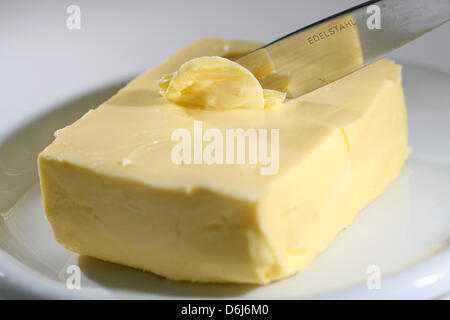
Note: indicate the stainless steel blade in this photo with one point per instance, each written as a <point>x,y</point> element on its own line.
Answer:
<point>339,45</point>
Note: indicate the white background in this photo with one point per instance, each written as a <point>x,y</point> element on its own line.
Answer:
<point>42,63</point>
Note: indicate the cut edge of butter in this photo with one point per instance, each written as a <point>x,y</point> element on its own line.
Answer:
<point>273,98</point>
<point>164,82</point>
<point>214,82</point>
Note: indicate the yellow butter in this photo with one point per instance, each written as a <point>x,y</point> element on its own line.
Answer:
<point>273,97</point>
<point>214,83</point>
<point>110,190</point>
<point>164,82</point>
<point>217,83</point>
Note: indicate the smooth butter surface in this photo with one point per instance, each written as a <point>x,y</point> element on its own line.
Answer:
<point>111,191</point>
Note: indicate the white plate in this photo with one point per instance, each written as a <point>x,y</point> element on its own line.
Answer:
<point>405,232</point>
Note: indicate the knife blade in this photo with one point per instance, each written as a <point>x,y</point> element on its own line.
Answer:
<point>334,47</point>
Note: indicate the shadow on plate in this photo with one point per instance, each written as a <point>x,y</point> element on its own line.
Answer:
<point>122,278</point>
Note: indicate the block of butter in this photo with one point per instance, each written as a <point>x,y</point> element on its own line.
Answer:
<point>114,189</point>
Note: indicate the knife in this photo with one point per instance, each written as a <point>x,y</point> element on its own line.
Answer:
<point>334,47</point>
